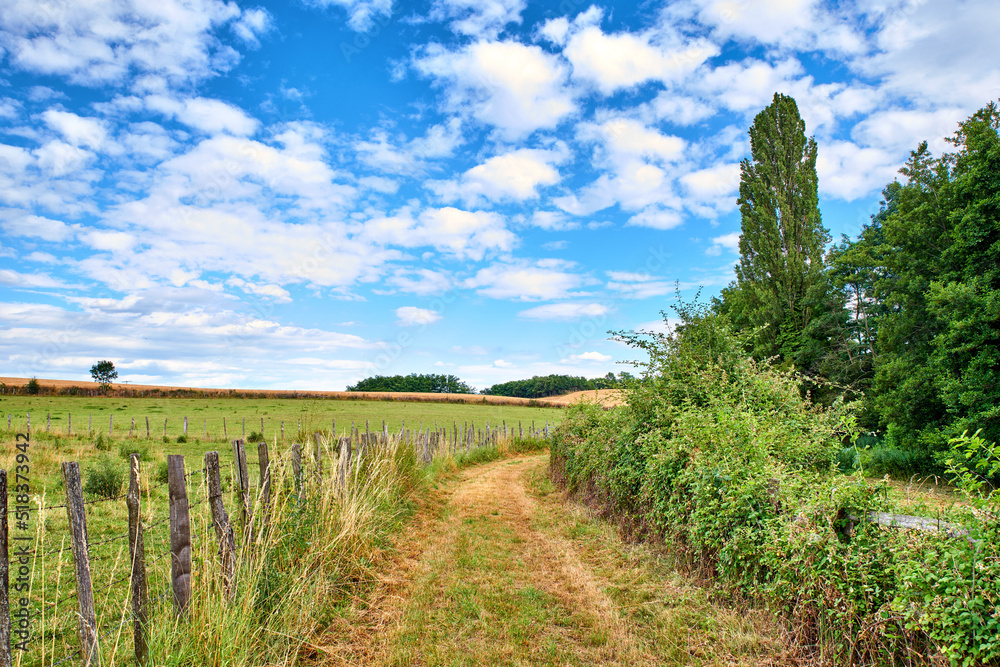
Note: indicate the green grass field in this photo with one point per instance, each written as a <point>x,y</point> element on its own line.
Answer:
<point>52,442</point>
<point>206,415</point>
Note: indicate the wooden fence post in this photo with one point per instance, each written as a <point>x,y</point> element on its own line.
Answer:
<point>111,424</point>
<point>297,467</point>
<point>242,481</point>
<point>164,427</point>
<point>318,448</point>
<point>224,434</point>
<point>147,427</point>
<point>69,423</point>
<point>137,552</point>
<point>265,483</point>
<point>4,576</point>
<point>185,426</point>
<point>345,462</point>
<point>180,535</point>
<point>282,430</point>
<point>131,428</point>
<point>48,421</point>
<point>76,512</point>
<point>223,529</point>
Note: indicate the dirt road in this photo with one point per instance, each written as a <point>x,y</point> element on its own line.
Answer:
<point>501,571</point>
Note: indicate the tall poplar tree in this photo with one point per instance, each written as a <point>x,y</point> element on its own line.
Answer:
<point>781,287</point>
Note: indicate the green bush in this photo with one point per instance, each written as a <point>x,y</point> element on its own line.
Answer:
<point>181,439</point>
<point>726,461</point>
<point>126,449</point>
<point>105,478</point>
<point>161,475</point>
<point>102,443</point>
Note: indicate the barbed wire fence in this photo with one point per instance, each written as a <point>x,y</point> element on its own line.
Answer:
<point>148,544</point>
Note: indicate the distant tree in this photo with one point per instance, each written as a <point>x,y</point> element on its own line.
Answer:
<point>426,384</point>
<point>781,286</point>
<point>33,387</point>
<point>104,372</point>
<point>550,385</point>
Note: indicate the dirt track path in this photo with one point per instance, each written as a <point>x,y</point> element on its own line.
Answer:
<point>500,571</point>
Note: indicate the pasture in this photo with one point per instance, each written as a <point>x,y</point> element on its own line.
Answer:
<point>66,428</point>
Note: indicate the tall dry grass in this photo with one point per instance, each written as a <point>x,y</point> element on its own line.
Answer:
<point>300,567</point>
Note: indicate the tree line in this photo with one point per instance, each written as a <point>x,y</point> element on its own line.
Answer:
<point>554,385</point>
<point>422,383</point>
<point>904,319</point>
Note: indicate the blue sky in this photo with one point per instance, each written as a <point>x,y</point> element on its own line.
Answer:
<point>303,194</point>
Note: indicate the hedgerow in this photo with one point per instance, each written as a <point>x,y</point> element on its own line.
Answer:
<point>726,461</point>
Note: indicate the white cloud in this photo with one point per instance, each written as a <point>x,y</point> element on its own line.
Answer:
<point>639,285</point>
<point>565,311</point>
<point>730,242</point>
<point>500,363</point>
<point>77,130</point>
<point>61,159</point>
<point>523,281</point>
<point>612,62</point>
<point>206,115</point>
<point>937,52</point>
<point>17,279</point>
<point>803,24</point>
<point>478,18</point>
<point>512,176</point>
<point>588,356</point>
<point>461,234</point>
<point>422,282</point>
<point>409,316</point>
<point>34,226</point>
<point>94,43</point>
<point>515,87</point>
<point>271,293</point>
<point>712,190</point>
<point>362,14</point>
<point>848,171</point>
<point>253,25</point>
<point>656,217</point>
<point>901,130</point>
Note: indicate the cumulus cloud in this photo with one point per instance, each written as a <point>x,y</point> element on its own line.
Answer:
<point>730,242</point>
<point>512,176</point>
<point>461,234</point>
<point>204,114</point>
<point>611,62</point>
<point>96,43</point>
<point>478,18</point>
<point>77,130</point>
<point>361,14</point>
<point>408,316</point>
<point>545,279</point>
<point>514,87</point>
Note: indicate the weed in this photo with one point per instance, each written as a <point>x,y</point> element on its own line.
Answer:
<point>126,449</point>
<point>105,478</point>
